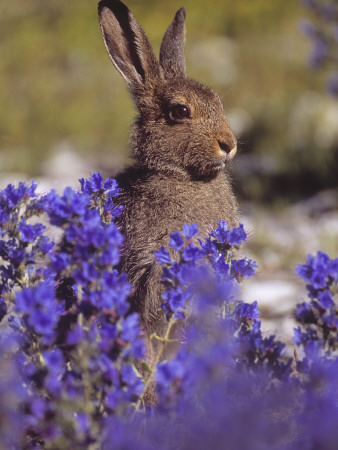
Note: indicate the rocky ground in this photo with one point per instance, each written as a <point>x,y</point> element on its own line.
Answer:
<point>279,239</point>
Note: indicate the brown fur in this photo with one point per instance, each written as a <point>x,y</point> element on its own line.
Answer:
<point>179,175</point>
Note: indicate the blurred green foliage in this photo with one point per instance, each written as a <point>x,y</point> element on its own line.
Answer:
<point>57,84</point>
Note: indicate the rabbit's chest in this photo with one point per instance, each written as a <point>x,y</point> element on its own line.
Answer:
<point>157,209</point>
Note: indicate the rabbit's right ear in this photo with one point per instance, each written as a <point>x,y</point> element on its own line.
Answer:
<point>172,57</point>
<point>127,44</point>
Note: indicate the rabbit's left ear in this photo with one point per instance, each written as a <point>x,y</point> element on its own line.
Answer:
<point>172,59</point>
<point>127,44</point>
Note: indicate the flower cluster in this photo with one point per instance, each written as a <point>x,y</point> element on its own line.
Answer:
<point>13,394</point>
<point>208,273</point>
<point>77,345</point>
<point>319,317</point>
<point>221,391</point>
<point>72,353</point>
<point>22,243</point>
<point>239,410</point>
<point>194,262</point>
<point>323,32</point>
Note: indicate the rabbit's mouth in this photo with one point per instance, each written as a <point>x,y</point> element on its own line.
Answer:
<point>217,166</point>
<point>223,158</point>
<point>231,154</point>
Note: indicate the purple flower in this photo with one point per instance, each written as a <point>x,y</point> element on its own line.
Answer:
<point>54,360</point>
<point>75,335</point>
<point>30,232</point>
<point>180,273</point>
<point>325,299</point>
<point>109,370</point>
<point>25,300</point>
<point>94,242</point>
<point>114,293</point>
<point>82,422</point>
<point>60,261</point>
<point>92,185</point>
<point>192,253</point>
<point>44,245</point>
<point>128,374</point>
<point>131,327</point>
<point>221,232</point>
<point>176,241</point>
<point>3,308</point>
<point>113,399</point>
<point>189,231</point>
<point>221,267</point>
<point>96,183</point>
<point>316,270</point>
<point>69,205</point>
<point>243,268</point>
<point>209,248</point>
<point>15,323</point>
<point>108,335</point>
<point>39,408</point>
<point>170,274</point>
<point>298,336</point>
<point>43,321</point>
<point>110,186</point>
<point>172,372</point>
<point>137,349</point>
<point>4,216</point>
<point>237,235</point>
<point>40,307</point>
<point>331,321</point>
<point>110,210</point>
<point>163,256</point>
<point>17,255</point>
<point>301,337</point>
<point>318,278</point>
<point>85,274</point>
<point>304,313</point>
<point>333,269</point>
<point>15,195</point>
<point>304,271</point>
<point>102,193</point>
<point>175,300</point>
<point>247,310</point>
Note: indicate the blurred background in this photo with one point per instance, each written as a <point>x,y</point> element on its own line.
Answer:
<point>65,112</point>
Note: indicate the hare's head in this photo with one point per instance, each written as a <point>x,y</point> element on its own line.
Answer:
<point>181,127</point>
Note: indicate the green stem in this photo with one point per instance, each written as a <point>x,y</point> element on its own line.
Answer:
<point>152,367</point>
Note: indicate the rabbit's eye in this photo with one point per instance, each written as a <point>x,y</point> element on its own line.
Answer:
<point>179,112</point>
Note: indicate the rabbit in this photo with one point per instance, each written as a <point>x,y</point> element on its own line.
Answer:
<point>181,144</point>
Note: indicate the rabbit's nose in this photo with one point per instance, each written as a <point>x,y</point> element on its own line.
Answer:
<point>224,146</point>
<point>228,148</point>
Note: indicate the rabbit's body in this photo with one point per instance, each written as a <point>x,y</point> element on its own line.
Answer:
<point>181,143</point>
<point>154,206</point>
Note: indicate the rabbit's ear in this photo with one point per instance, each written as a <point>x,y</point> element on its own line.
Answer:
<point>172,58</point>
<point>127,44</point>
